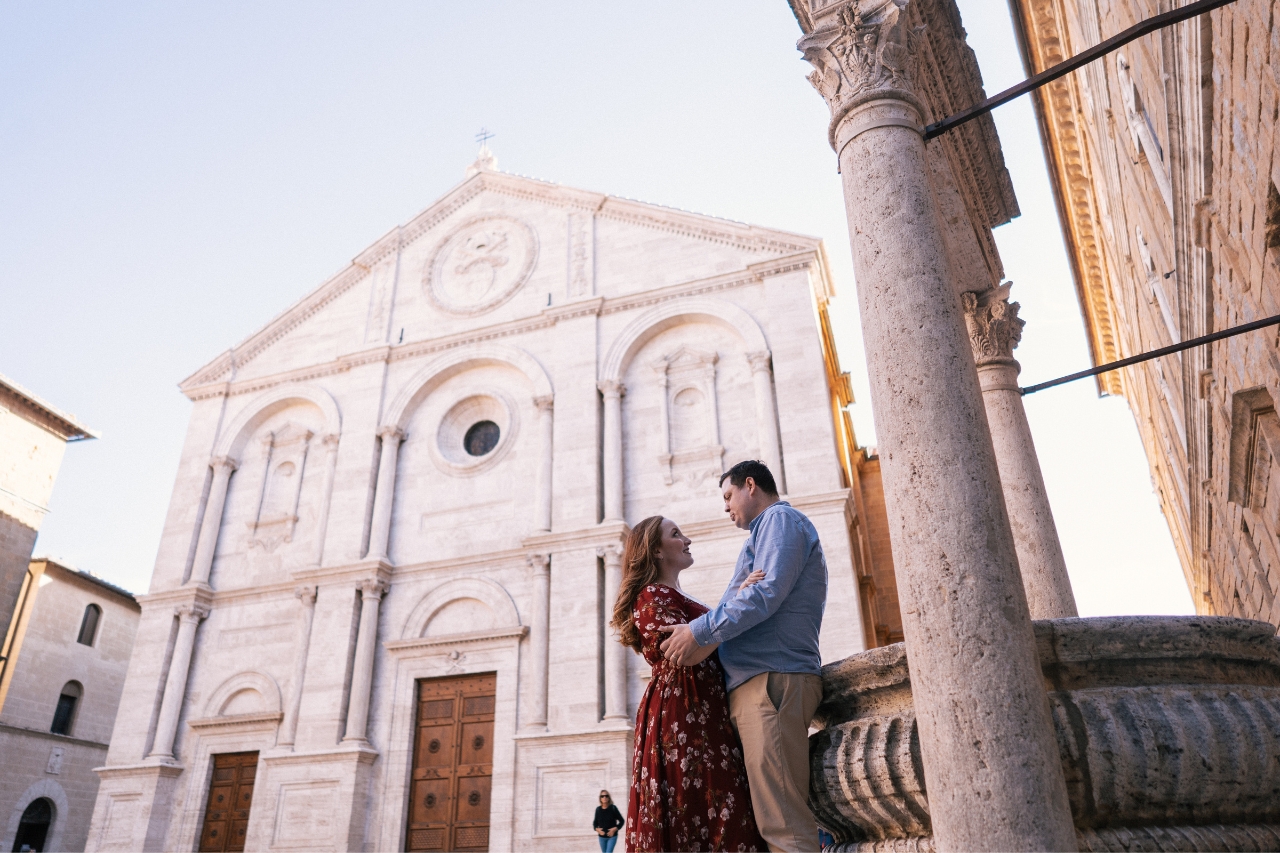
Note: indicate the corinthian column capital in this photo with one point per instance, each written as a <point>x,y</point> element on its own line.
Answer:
<point>612,388</point>
<point>861,50</point>
<point>391,434</point>
<point>225,464</point>
<point>993,323</point>
<point>191,612</point>
<point>372,588</point>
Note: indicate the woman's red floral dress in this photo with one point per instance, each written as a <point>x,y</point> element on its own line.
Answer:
<point>688,785</point>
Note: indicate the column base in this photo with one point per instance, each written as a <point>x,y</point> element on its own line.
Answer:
<point>134,806</point>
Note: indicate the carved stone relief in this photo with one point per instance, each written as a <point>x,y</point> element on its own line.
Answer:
<point>581,281</point>
<point>481,264</point>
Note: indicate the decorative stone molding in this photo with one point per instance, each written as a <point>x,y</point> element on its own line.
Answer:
<point>193,613</point>
<point>480,264</point>
<point>1151,713</point>
<point>994,326</point>
<point>373,588</point>
<point>864,51</point>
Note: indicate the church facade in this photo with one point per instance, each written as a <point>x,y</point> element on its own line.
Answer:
<point>378,617</point>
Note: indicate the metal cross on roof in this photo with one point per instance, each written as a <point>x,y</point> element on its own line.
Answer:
<point>484,136</point>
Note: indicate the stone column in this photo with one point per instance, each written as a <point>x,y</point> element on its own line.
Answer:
<point>615,655</point>
<point>986,738</point>
<point>612,392</point>
<point>326,494</point>
<point>542,490</point>
<point>362,672</point>
<point>384,493</point>
<point>175,687</point>
<point>289,727</point>
<point>767,414</point>
<point>212,523</point>
<point>539,641</point>
<point>994,330</point>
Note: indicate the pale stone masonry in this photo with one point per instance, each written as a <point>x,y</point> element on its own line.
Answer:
<point>33,439</point>
<point>47,660</point>
<point>1165,165</point>
<point>426,469</point>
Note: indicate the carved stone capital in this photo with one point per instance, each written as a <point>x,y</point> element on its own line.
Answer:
<point>761,362</point>
<point>862,50</point>
<point>307,595</point>
<point>540,563</point>
<point>544,403</point>
<point>993,323</point>
<point>612,388</point>
<point>372,588</point>
<point>224,464</point>
<point>391,433</point>
<point>193,613</point>
<point>611,554</point>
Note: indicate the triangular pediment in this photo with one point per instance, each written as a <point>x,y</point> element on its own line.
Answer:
<point>677,246</point>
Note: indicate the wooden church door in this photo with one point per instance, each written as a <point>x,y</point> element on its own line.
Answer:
<point>226,815</point>
<point>452,764</point>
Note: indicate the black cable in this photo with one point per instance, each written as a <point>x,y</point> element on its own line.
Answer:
<point>1155,353</point>
<point>1062,68</point>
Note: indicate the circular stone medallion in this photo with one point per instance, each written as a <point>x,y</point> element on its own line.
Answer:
<point>481,264</point>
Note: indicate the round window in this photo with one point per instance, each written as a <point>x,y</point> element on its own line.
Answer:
<point>481,438</point>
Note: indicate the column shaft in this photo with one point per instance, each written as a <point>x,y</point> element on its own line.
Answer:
<point>767,415</point>
<point>542,489</point>
<point>612,392</point>
<point>362,671</point>
<point>539,641</point>
<point>289,727</point>
<point>615,655</point>
<point>986,737</point>
<point>175,687</point>
<point>384,494</point>
<point>212,523</point>
<point>326,495</point>
<point>994,332</point>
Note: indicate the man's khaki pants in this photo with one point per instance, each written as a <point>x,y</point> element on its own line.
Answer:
<point>772,713</point>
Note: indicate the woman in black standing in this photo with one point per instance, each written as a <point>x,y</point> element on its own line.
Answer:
<point>608,822</point>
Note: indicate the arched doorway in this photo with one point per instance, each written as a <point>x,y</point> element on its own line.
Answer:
<point>33,828</point>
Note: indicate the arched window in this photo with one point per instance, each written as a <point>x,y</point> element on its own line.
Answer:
<point>89,625</point>
<point>65,714</point>
<point>33,828</point>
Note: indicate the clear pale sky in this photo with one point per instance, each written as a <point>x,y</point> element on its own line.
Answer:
<point>174,175</point>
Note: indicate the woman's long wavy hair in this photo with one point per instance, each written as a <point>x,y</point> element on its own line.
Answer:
<point>639,569</point>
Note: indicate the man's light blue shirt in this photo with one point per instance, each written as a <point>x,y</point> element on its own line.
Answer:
<point>773,625</point>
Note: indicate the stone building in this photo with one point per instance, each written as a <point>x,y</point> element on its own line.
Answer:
<point>377,617</point>
<point>1163,157</point>
<point>69,645</point>
<point>33,437</point>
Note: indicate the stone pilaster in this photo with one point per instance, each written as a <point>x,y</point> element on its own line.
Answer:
<point>767,414</point>
<point>612,393</point>
<point>615,654</point>
<point>384,494</point>
<point>539,642</point>
<point>542,489</point>
<point>994,331</point>
<point>223,467</point>
<point>986,737</point>
<point>371,592</point>
<point>175,686</point>
<point>289,727</point>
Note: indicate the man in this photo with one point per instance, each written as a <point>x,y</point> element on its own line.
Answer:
<point>768,636</point>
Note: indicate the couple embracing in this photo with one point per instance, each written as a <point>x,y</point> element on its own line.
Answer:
<point>722,733</point>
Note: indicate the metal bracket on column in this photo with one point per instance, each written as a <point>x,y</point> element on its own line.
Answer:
<point>1062,68</point>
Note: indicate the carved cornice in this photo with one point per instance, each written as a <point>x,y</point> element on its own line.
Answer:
<point>500,636</point>
<point>237,722</point>
<point>1041,27</point>
<point>994,325</point>
<point>755,274</point>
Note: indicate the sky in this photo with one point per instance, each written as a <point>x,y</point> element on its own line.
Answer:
<point>172,176</point>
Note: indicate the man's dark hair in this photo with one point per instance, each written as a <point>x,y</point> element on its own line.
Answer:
<point>756,470</point>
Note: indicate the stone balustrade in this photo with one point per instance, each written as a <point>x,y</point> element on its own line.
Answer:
<point>1168,729</point>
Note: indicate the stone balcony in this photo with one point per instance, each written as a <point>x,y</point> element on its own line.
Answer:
<point>1168,729</point>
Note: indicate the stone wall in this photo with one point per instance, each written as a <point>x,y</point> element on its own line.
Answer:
<point>1164,161</point>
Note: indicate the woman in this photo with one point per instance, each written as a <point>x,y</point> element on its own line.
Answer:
<point>688,785</point>
<point>607,823</point>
